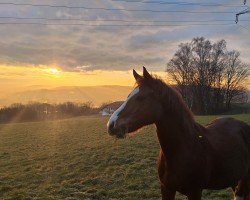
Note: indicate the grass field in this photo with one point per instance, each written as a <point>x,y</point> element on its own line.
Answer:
<point>77,159</point>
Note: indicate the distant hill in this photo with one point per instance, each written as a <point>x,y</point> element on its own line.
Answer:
<point>95,94</point>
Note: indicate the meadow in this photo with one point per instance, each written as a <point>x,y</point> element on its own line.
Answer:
<point>76,159</point>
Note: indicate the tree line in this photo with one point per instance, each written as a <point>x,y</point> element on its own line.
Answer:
<point>44,111</point>
<point>208,75</point>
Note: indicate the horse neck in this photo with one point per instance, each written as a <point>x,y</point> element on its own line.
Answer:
<point>176,130</point>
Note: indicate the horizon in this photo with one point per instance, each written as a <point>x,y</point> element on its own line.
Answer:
<point>65,43</point>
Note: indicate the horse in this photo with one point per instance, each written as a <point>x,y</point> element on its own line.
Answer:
<point>192,157</point>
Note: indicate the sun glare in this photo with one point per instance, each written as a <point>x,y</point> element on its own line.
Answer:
<point>53,71</point>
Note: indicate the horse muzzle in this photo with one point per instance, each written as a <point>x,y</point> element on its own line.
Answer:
<point>117,131</point>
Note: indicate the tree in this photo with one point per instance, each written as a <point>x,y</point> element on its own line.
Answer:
<point>235,73</point>
<point>181,69</point>
<point>35,111</point>
<point>208,75</point>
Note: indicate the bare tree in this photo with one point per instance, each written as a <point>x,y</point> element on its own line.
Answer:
<point>235,73</point>
<point>208,76</point>
<point>180,67</point>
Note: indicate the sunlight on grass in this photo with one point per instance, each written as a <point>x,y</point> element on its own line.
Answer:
<point>77,159</point>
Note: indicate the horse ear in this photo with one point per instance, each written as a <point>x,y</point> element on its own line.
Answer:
<point>136,75</point>
<point>146,74</point>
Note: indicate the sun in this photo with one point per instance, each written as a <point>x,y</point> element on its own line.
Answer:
<point>53,71</point>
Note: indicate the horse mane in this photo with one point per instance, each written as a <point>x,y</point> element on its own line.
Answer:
<point>170,98</point>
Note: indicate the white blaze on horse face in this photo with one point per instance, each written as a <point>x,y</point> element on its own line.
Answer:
<point>115,115</point>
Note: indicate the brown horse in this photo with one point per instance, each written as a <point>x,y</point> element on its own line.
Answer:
<point>192,157</point>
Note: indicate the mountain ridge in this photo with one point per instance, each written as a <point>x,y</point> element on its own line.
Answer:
<point>95,94</point>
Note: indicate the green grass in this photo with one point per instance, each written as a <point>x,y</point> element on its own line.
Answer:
<point>77,159</point>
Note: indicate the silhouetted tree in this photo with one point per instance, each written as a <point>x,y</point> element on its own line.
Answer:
<point>208,76</point>
<point>235,73</point>
<point>35,111</point>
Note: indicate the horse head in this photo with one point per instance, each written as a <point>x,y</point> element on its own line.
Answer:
<point>141,108</point>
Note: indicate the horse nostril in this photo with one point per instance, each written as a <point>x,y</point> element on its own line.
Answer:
<point>111,127</point>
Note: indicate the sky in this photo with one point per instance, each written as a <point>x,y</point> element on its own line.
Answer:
<point>98,42</point>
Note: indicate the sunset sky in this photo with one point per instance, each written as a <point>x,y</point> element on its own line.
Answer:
<point>99,42</point>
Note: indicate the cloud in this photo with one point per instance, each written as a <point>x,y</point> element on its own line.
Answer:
<point>86,48</point>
